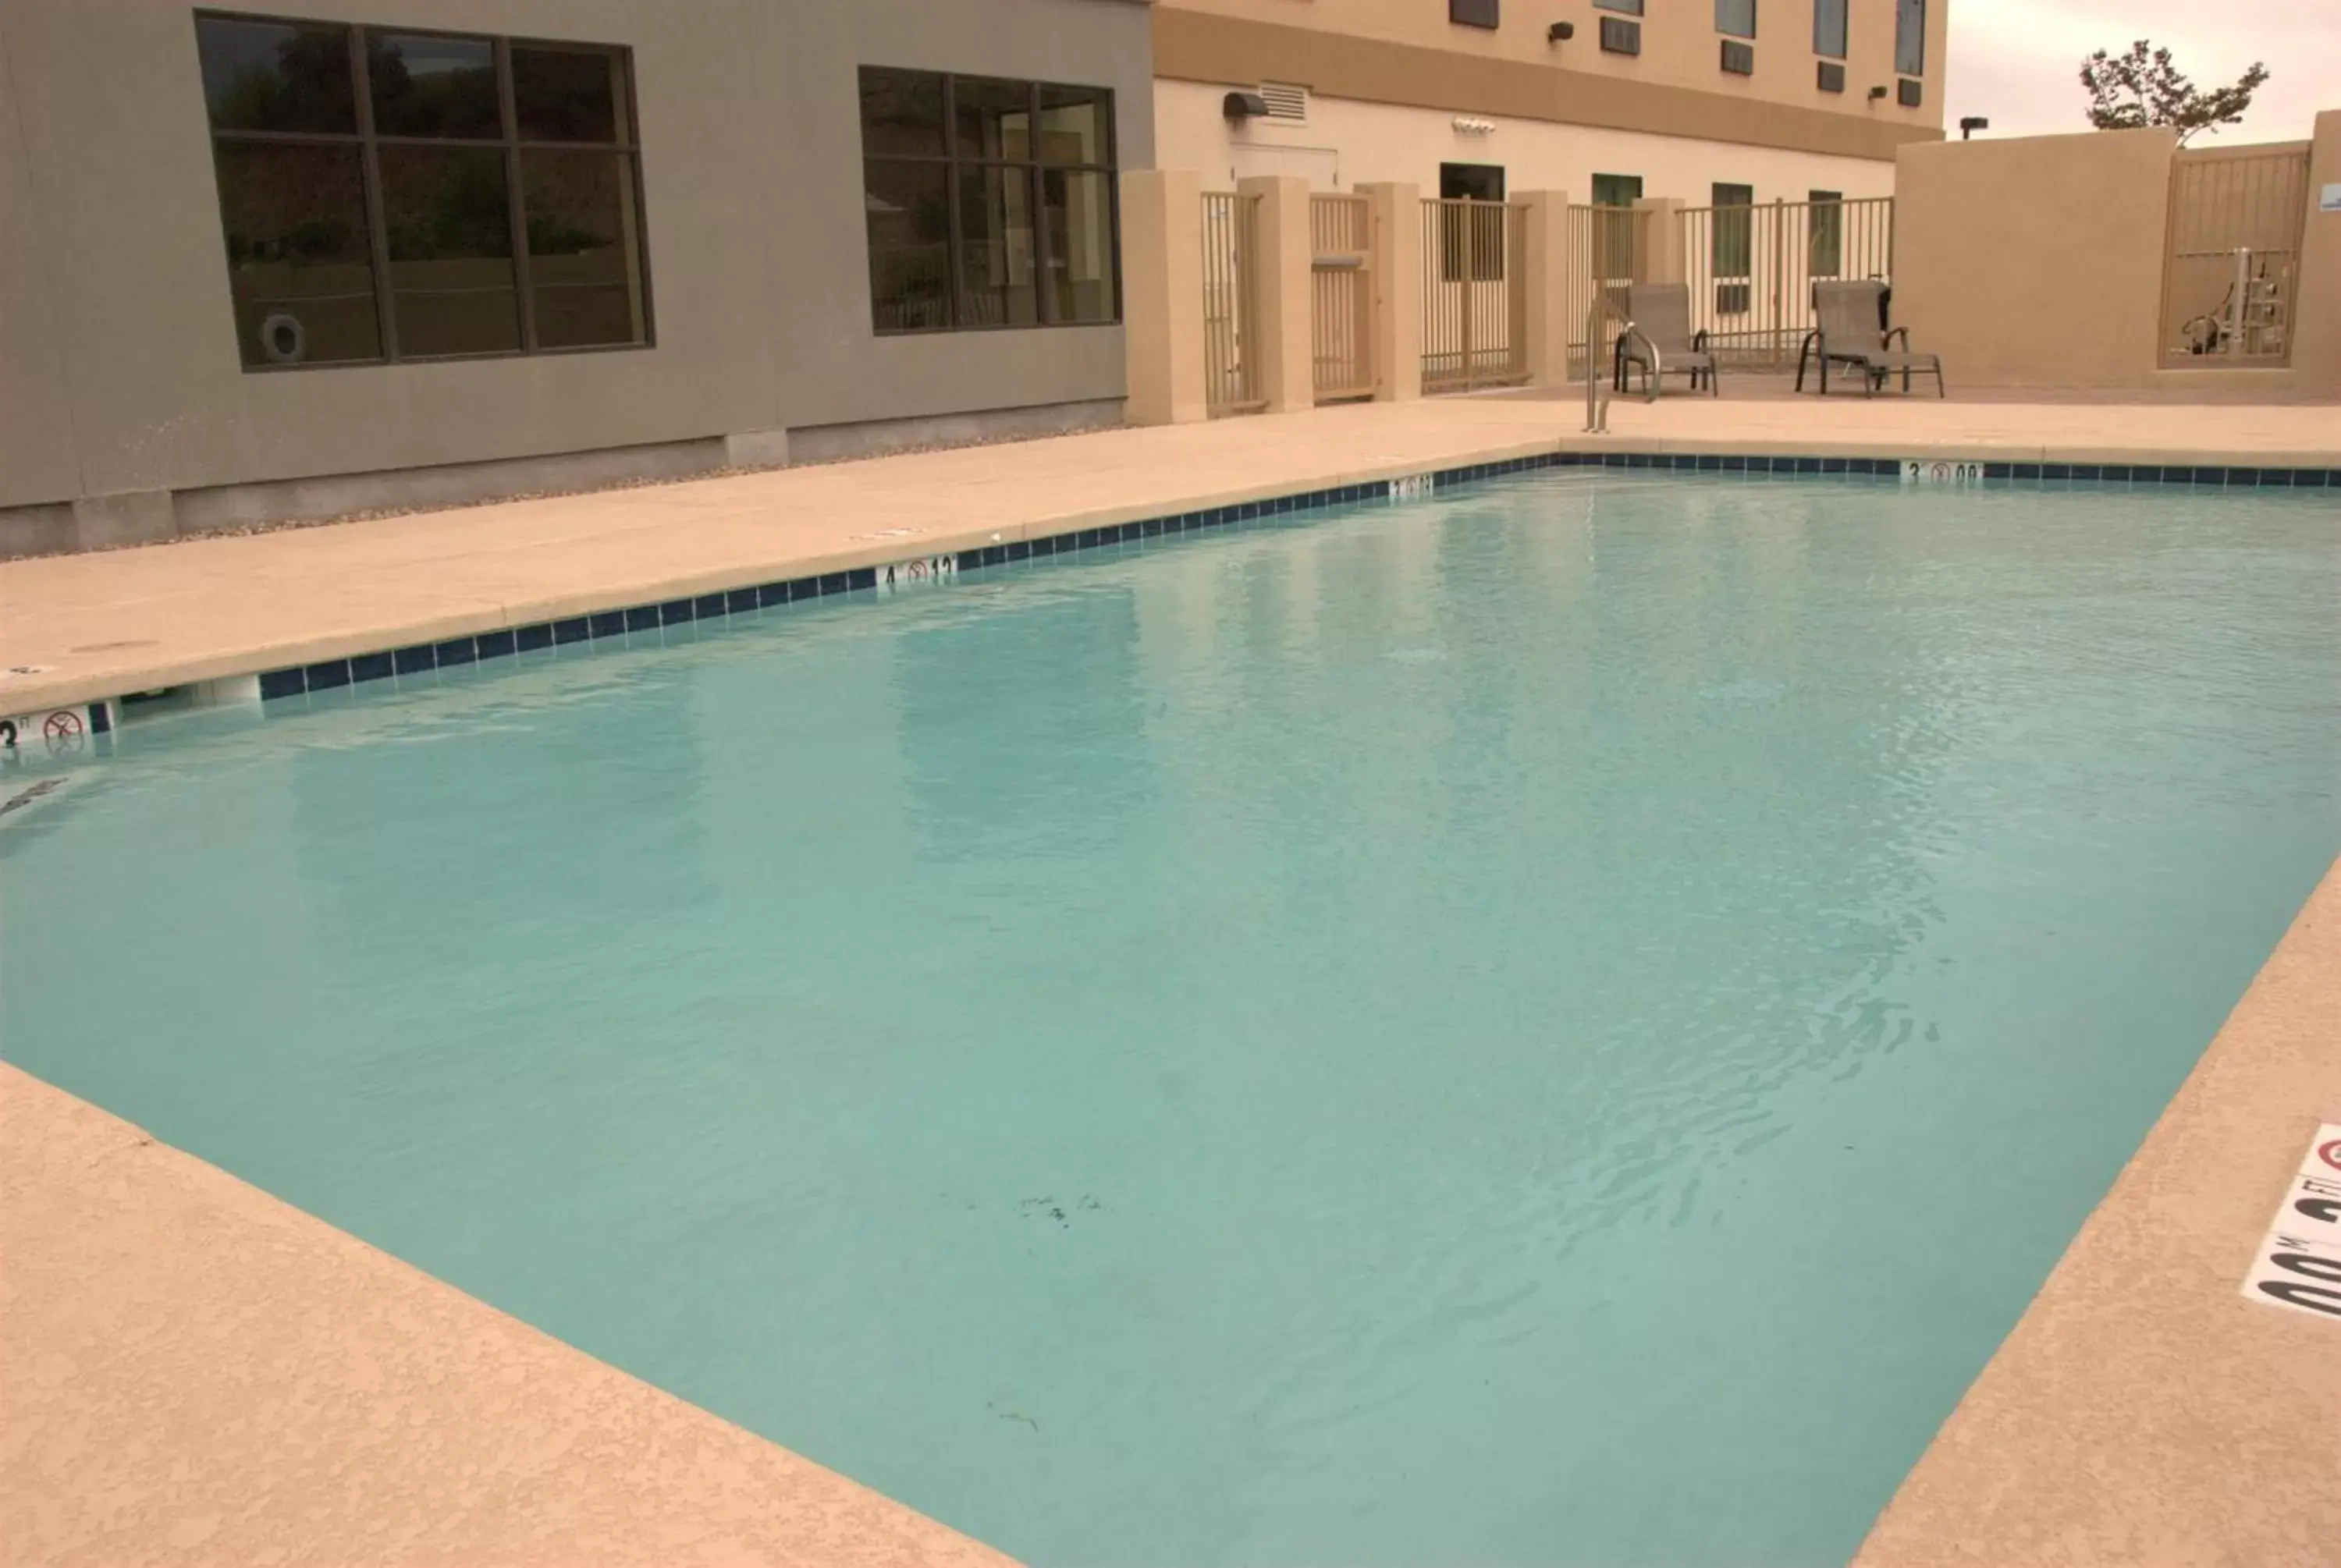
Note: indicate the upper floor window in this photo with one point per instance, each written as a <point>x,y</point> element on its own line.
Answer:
<point>1736,17</point>
<point>1910,37</point>
<point>1829,28</point>
<point>390,195</point>
<point>1472,12</point>
<point>1631,7</point>
<point>988,204</point>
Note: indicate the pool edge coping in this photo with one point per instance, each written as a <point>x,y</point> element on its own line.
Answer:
<point>562,618</point>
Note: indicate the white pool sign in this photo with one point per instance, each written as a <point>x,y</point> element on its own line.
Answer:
<point>2298,1263</point>
<point>1917,470</point>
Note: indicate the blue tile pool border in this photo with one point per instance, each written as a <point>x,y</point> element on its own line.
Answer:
<point>450,653</point>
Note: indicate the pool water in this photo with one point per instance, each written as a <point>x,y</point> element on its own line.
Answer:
<point>1559,1024</point>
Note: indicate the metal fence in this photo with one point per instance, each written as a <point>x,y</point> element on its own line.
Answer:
<point>1230,303</point>
<point>2232,269</point>
<point>1609,248</point>
<point>1474,295</point>
<point>1751,270</point>
<point>1340,298</point>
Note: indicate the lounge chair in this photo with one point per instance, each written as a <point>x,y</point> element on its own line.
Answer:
<point>1657,337</point>
<point>1852,332</point>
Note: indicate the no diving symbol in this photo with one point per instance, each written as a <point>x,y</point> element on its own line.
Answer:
<point>63,730</point>
<point>2330,1153</point>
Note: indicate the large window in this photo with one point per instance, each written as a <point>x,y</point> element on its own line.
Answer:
<point>972,219</point>
<point>397,196</point>
<point>1617,241</point>
<point>1829,28</point>
<point>1736,17</point>
<point>1825,252</point>
<point>1731,246</point>
<point>1910,37</point>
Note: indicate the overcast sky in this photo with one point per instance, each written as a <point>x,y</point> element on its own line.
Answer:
<point>2018,61</point>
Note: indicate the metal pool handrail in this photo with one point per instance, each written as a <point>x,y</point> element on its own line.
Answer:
<point>1597,395</point>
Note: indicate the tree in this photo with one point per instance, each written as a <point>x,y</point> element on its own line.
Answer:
<point>2144,88</point>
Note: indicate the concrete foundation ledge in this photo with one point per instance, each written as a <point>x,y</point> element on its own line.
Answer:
<point>878,438</point>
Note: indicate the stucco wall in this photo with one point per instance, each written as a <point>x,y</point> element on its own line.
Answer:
<point>117,339</point>
<point>2034,260</point>
<point>1345,144</point>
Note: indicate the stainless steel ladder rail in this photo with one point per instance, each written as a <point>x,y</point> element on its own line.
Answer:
<point>1598,317</point>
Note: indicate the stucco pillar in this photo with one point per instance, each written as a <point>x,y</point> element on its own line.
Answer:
<point>1162,296</point>
<point>1286,353</point>
<point>1659,253</point>
<point>1394,237</point>
<point>2317,312</point>
<point>1546,288</point>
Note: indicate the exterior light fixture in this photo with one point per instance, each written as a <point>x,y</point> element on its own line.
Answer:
<point>1875,94</point>
<point>1970,123</point>
<point>1560,32</point>
<point>1470,125</point>
<point>1244,106</point>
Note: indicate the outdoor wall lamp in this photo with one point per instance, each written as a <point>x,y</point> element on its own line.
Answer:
<point>1875,94</point>
<point>1970,123</point>
<point>1244,106</point>
<point>1560,32</point>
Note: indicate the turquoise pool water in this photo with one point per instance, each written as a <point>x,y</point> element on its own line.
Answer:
<point>1557,1025</point>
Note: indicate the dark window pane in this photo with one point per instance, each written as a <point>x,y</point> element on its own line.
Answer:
<point>1826,252</point>
<point>1910,37</point>
<point>585,248</point>
<point>995,249</point>
<point>297,252</point>
<point>1829,28</point>
<point>995,118</point>
<point>1472,240</point>
<point>569,94</point>
<point>1619,36</point>
<point>1076,125</point>
<point>272,77</point>
<point>1631,8</point>
<point>1736,17</point>
<point>1732,245</point>
<point>1617,189</point>
<point>1080,208</point>
<point>450,270</point>
<point>426,86</point>
<point>901,113</point>
<point>908,219</point>
<point>1472,12</point>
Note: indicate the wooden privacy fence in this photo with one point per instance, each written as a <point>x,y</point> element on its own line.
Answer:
<point>1609,248</point>
<point>2231,272</point>
<point>1751,269</point>
<point>1340,298</point>
<point>1474,295</point>
<point>1230,303</point>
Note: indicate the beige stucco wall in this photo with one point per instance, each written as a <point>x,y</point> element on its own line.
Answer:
<point>2035,260</point>
<point>1679,43</point>
<point>1407,52</point>
<point>1345,144</point>
<point>118,367</point>
<point>2039,260</point>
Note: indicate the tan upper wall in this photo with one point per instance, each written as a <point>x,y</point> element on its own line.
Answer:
<point>1407,52</point>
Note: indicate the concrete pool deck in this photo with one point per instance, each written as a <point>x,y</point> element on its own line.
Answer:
<point>99,626</point>
<point>192,1372</point>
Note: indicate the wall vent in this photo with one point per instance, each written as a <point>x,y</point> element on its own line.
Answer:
<point>1286,101</point>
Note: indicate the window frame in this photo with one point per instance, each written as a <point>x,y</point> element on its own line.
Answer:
<point>366,140</point>
<point>1468,14</point>
<point>1843,16</point>
<point>1908,11</point>
<point>1036,170</point>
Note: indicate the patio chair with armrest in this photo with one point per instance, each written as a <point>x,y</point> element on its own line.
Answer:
<point>1659,339</point>
<point>1852,332</point>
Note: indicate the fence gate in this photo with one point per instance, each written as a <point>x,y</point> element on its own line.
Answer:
<point>1751,270</point>
<point>1474,295</point>
<point>1230,303</point>
<point>1609,248</point>
<point>2232,267</point>
<point>1340,298</point>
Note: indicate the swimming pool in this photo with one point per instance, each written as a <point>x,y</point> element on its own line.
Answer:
<point>1559,1024</point>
